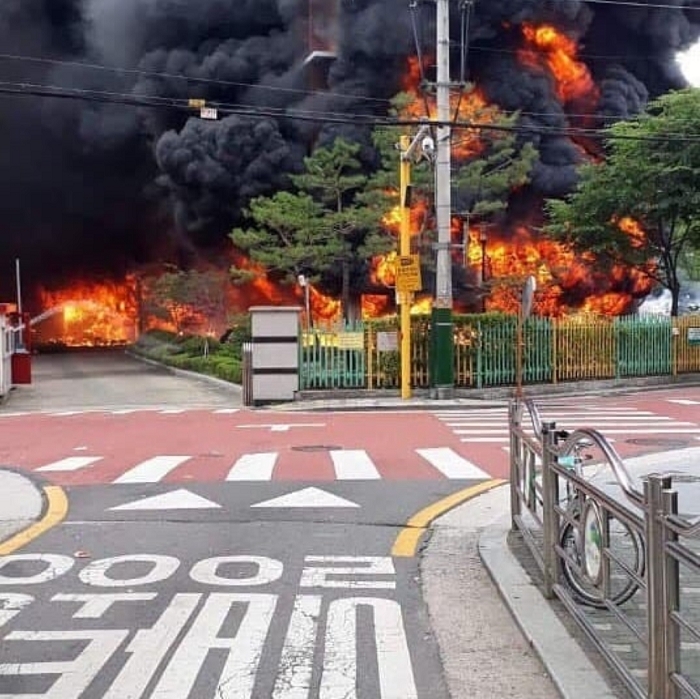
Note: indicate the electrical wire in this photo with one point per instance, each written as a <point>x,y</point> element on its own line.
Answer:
<point>367,120</point>
<point>187,78</point>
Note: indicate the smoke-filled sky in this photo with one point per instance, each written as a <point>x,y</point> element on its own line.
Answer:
<point>95,188</point>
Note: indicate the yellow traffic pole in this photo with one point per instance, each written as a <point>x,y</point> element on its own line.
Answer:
<point>404,297</point>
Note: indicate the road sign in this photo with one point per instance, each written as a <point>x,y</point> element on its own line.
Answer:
<point>408,277</point>
<point>209,113</point>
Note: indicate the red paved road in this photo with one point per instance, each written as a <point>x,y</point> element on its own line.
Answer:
<point>214,442</point>
<point>210,444</point>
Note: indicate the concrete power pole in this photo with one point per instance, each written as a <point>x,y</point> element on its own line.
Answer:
<point>442,340</point>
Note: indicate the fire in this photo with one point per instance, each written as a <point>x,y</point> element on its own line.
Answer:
<point>633,230</point>
<point>565,281</point>
<point>375,306</point>
<point>324,308</point>
<point>465,106</point>
<point>90,314</point>
<point>422,306</point>
<point>548,46</point>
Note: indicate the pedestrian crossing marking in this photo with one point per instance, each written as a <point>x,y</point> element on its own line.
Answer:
<point>347,464</point>
<point>683,401</point>
<point>451,464</point>
<point>353,465</point>
<point>71,463</point>
<point>152,470</point>
<point>253,467</point>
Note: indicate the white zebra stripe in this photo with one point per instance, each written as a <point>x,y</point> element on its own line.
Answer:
<point>152,470</point>
<point>253,467</point>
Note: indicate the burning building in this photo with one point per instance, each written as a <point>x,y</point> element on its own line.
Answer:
<point>103,173</point>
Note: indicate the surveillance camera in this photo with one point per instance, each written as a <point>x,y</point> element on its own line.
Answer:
<point>428,145</point>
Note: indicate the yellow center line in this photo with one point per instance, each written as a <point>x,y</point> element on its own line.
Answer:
<point>55,512</point>
<point>407,540</point>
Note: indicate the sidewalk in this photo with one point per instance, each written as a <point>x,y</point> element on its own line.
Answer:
<point>21,503</point>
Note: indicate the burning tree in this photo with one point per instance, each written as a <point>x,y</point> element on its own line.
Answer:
<point>188,300</point>
<point>322,230</point>
<point>639,208</point>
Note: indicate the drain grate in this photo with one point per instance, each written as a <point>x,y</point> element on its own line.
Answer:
<point>317,447</point>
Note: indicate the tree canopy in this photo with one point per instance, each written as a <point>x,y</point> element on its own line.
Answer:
<point>333,223</point>
<point>323,230</point>
<point>640,206</point>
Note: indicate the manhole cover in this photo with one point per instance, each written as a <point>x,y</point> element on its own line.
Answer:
<point>657,442</point>
<point>317,447</point>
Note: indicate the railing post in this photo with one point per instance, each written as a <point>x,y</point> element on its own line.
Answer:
<point>672,653</point>
<point>515,413</point>
<point>550,499</point>
<point>657,614</point>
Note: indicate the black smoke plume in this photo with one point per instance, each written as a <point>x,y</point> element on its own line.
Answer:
<point>90,189</point>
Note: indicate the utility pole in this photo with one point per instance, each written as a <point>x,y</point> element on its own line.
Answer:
<point>405,249</point>
<point>442,335</point>
<point>407,149</point>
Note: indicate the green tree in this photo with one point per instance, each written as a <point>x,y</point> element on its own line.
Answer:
<point>649,178</point>
<point>323,230</point>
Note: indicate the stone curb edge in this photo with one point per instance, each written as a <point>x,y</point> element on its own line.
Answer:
<point>39,486</point>
<point>572,672</point>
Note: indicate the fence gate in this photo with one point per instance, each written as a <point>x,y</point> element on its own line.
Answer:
<point>333,357</point>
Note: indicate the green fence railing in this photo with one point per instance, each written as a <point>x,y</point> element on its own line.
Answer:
<point>365,355</point>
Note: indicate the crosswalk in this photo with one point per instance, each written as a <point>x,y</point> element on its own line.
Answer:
<point>153,410</point>
<point>335,464</point>
<point>490,425</point>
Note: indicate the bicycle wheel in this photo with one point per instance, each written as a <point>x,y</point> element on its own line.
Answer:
<point>625,544</point>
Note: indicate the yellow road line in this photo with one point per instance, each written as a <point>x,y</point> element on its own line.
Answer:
<point>55,512</point>
<point>407,540</point>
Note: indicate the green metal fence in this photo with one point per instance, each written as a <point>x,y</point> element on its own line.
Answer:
<point>570,349</point>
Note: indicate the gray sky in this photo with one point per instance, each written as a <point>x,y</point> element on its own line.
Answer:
<point>690,63</point>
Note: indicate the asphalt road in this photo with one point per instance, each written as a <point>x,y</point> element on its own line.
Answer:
<point>230,590</point>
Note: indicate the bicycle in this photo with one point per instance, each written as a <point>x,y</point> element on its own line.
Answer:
<point>581,542</point>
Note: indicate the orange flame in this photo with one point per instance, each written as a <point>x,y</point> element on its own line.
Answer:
<point>548,46</point>
<point>90,314</point>
<point>466,106</point>
<point>634,231</point>
<point>565,281</point>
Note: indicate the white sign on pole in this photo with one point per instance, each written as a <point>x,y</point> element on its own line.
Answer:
<point>208,113</point>
<point>388,341</point>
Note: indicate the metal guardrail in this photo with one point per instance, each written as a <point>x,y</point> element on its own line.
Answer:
<point>247,373</point>
<point>621,558</point>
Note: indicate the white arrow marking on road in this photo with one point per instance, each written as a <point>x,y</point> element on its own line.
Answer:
<point>307,497</point>
<point>283,428</point>
<point>176,500</point>
<point>72,463</point>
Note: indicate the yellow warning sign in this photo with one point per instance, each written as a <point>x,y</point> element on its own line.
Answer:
<point>408,273</point>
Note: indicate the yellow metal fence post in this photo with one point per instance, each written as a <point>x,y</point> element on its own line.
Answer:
<point>405,249</point>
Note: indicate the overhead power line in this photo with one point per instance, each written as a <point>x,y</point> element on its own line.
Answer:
<point>368,120</point>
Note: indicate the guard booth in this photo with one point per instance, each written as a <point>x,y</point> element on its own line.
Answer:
<point>15,348</point>
<point>272,361</point>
